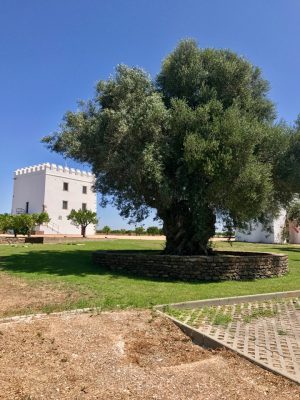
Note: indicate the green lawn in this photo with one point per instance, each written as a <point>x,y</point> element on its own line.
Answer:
<point>70,266</point>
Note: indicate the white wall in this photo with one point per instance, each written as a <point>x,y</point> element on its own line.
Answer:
<point>42,187</point>
<point>55,195</point>
<point>29,185</point>
<point>257,234</point>
<point>279,224</point>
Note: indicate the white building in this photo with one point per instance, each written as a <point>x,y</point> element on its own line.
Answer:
<point>274,233</point>
<point>56,190</point>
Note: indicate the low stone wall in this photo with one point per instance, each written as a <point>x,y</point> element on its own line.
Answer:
<point>59,239</point>
<point>42,239</point>
<point>11,240</point>
<point>219,267</point>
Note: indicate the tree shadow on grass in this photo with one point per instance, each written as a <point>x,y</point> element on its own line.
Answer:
<point>291,251</point>
<point>67,263</point>
<point>59,263</point>
<point>288,249</point>
<point>75,263</point>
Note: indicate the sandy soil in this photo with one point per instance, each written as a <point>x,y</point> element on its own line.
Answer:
<point>99,236</point>
<point>123,355</point>
<point>17,295</point>
<point>113,236</point>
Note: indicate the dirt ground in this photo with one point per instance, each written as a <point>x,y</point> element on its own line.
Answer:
<point>113,236</point>
<point>123,355</point>
<point>17,295</point>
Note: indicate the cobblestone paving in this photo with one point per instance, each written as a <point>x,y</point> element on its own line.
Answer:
<point>268,332</point>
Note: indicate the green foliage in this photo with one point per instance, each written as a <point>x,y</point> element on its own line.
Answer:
<point>83,218</point>
<point>198,141</point>
<point>25,223</point>
<point>255,314</point>
<point>5,222</point>
<point>139,230</point>
<point>69,268</point>
<point>293,212</point>
<point>153,230</point>
<point>41,218</point>
<point>225,314</point>
<point>106,229</point>
<point>22,224</point>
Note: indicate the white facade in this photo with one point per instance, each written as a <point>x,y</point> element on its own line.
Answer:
<point>56,190</point>
<point>257,233</point>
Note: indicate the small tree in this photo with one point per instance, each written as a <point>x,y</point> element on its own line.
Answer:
<point>139,230</point>
<point>24,224</point>
<point>5,222</point>
<point>83,218</point>
<point>41,218</point>
<point>17,225</point>
<point>153,230</point>
<point>106,230</point>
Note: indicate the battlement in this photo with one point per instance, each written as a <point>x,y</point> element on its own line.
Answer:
<point>52,167</point>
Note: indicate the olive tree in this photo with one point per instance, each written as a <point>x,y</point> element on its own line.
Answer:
<point>83,218</point>
<point>106,229</point>
<point>22,224</point>
<point>139,230</point>
<point>197,141</point>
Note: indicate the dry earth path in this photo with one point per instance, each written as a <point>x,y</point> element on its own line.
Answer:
<point>123,355</point>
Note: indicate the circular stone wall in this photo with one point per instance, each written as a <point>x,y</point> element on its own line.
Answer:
<point>220,266</point>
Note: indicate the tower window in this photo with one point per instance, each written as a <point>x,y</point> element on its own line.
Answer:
<point>65,186</point>
<point>84,189</point>
<point>83,206</point>
<point>65,205</point>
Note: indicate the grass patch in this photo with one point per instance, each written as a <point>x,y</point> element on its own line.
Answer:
<point>225,314</point>
<point>222,319</point>
<point>258,313</point>
<point>197,316</point>
<point>70,268</point>
<point>281,332</point>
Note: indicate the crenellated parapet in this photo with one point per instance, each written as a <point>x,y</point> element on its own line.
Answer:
<point>51,167</point>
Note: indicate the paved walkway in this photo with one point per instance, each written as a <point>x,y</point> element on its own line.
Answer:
<point>268,332</point>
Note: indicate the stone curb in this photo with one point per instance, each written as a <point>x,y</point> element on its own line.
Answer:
<point>29,317</point>
<point>230,300</point>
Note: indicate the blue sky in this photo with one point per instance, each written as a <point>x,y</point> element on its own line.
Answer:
<point>52,53</point>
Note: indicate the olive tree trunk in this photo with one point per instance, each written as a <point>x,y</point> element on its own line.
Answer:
<point>187,233</point>
<point>83,231</point>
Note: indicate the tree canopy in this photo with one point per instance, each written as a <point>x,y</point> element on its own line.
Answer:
<point>293,212</point>
<point>22,224</point>
<point>198,140</point>
<point>83,218</point>
<point>106,229</point>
